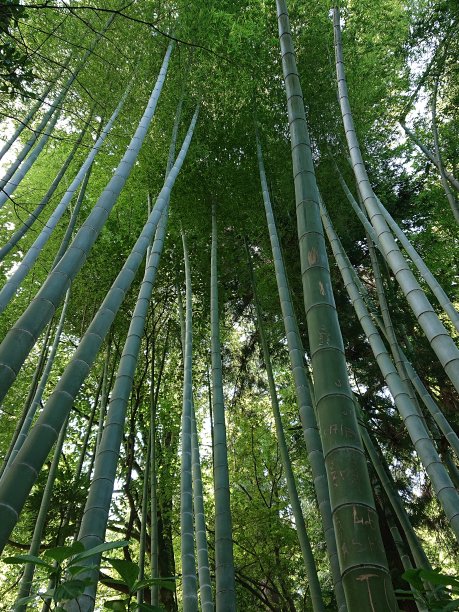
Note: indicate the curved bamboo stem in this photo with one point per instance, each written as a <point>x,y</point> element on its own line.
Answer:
<point>18,234</point>
<point>54,109</point>
<point>21,338</point>
<point>444,488</point>
<point>440,340</point>
<point>33,454</point>
<point>11,286</point>
<point>452,201</point>
<point>426,274</point>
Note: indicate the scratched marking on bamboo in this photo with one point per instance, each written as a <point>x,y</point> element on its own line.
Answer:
<point>313,256</point>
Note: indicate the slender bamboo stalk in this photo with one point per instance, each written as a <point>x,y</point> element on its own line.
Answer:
<point>10,186</point>
<point>150,462</point>
<point>33,454</point>
<point>452,201</point>
<point>19,233</point>
<point>11,286</point>
<point>441,342</point>
<point>430,156</point>
<point>154,548</point>
<point>54,108</point>
<point>224,562</point>
<point>300,526</point>
<point>302,388</point>
<point>398,541</point>
<point>363,563</point>
<point>444,488</point>
<point>29,569</point>
<point>388,326</point>
<point>143,521</point>
<point>205,585</point>
<point>426,398</point>
<point>31,394</point>
<point>154,399</point>
<point>190,599</point>
<point>73,219</point>
<point>23,335</point>
<point>101,488</point>
<point>41,386</point>
<point>84,445</point>
<point>34,109</point>
<point>426,274</point>
<point>104,394</point>
<point>358,211</point>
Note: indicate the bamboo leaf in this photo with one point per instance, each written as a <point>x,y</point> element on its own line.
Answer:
<point>99,549</point>
<point>143,607</point>
<point>119,605</point>
<point>61,553</point>
<point>19,559</point>
<point>71,589</point>
<point>128,571</point>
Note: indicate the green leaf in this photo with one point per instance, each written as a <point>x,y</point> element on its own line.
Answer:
<point>119,605</point>
<point>143,607</point>
<point>60,553</point>
<point>413,577</point>
<point>128,571</point>
<point>435,577</point>
<point>99,549</point>
<point>71,589</point>
<point>74,570</point>
<point>164,583</point>
<point>25,600</point>
<point>27,559</point>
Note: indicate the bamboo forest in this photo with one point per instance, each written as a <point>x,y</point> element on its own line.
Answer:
<point>229,305</point>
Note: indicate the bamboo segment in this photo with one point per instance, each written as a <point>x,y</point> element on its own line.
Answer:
<point>306,410</point>
<point>190,598</point>
<point>363,563</point>
<point>303,538</point>
<point>224,562</point>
